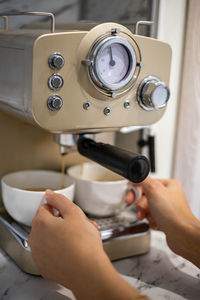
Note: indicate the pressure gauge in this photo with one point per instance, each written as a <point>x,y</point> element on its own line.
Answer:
<point>112,63</point>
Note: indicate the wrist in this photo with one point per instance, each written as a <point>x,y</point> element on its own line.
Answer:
<point>187,240</point>
<point>191,241</point>
<point>101,281</point>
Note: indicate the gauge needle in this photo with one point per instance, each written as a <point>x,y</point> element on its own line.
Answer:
<point>112,62</point>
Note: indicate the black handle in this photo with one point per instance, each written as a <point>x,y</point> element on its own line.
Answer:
<point>151,143</point>
<point>132,166</point>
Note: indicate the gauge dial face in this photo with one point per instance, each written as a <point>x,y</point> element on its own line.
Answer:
<point>113,63</point>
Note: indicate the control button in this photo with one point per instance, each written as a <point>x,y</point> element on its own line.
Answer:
<point>127,104</point>
<point>55,82</point>
<point>107,111</point>
<point>56,61</point>
<point>86,105</point>
<point>54,102</point>
<point>152,93</point>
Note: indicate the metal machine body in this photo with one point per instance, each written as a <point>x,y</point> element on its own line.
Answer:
<point>56,81</point>
<point>120,239</point>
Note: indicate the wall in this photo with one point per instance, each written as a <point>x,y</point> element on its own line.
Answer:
<point>171,29</point>
<point>187,155</point>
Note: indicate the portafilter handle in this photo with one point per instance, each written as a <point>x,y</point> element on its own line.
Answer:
<point>134,167</point>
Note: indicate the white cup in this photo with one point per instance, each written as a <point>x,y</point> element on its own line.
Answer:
<point>22,204</point>
<point>98,191</point>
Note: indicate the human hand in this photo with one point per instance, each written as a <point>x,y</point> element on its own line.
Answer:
<point>161,199</point>
<point>62,245</point>
<point>164,204</point>
<point>68,250</point>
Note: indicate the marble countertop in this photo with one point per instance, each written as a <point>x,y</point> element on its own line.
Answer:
<point>160,274</point>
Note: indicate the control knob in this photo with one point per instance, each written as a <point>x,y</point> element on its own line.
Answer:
<point>55,82</point>
<point>56,61</point>
<point>54,102</point>
<point>152,94</point>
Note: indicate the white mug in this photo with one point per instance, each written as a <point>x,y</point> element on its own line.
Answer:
<point>21,202</point>
<point>98,191</point>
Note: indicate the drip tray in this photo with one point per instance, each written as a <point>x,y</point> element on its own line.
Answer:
<point>122,237</point>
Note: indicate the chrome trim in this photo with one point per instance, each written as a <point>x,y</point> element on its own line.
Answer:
<point>161,83</point>
<point>5,22</point>
<point>51,99</point>
<point>107,111</point>
<point>139,23</point>
<point>115,31</point>
<point>50,83</point>
<point>140,88</point>
<point>89,63</point>
<point>51,57</point>
<point>18,235</point>
<point>127,104</point>
<point>22,13</point>
<point>95,70</point>
<point>86,105</point>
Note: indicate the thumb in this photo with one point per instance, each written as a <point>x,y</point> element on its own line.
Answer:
<point>59,202</point>
<point>151,187</point>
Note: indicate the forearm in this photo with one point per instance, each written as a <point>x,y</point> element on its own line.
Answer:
<point>101,281</point>
<point>186,240</point>
<point>192,242</point>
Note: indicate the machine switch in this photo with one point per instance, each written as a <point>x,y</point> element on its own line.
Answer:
<point>55,82</point>
<point>54,102</point>
<point>56,61</point>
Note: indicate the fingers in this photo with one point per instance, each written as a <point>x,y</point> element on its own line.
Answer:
<point>44,216</point>
<point>59,202</point>
<point>143,212</point>
<point>133,195</point>
<point>165,182</point>
<point>152,223</point>
<point>44,211</point>
<point>142,208</point>
<point>94,224</point>
<point>130,197</point>
<point>151,187</point>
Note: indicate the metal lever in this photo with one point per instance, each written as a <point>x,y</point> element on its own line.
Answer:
<point>5,22</point>
<point>139,23</point>
<point>42,14</point>
<point>22,239</point>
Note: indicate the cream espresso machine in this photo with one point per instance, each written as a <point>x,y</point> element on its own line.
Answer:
<point>78,80</point>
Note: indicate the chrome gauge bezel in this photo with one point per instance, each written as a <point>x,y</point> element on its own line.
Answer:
<point>97,50</point>
<point>108,38</point>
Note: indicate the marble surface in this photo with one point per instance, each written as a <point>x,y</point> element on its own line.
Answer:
<point>160,274</point>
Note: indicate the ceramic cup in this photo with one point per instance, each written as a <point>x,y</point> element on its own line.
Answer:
<point>20,198</point>
<point>100,192</point>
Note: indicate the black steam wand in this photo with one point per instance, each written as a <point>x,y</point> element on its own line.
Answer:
<point>134,167</point>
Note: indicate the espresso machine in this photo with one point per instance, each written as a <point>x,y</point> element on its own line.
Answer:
<point>60,87</point>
